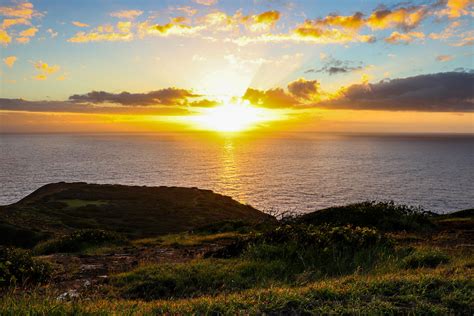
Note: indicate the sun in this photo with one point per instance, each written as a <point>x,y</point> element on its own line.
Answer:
<point>232,117</point>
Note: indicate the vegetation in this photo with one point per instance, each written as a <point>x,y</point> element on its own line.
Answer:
<point>136,211</point>
<point>18,267</point>
<point>426,258</point>
<point>385,216</point>
<point>77,241</point>
<point>365,258</point>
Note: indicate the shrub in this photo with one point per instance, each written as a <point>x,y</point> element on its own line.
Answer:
<point>385,216</point>
<point>425,259</point>
<point>196,278</point>
<point>77,241</point>
<point>326,249</point>
<point>17,266</point>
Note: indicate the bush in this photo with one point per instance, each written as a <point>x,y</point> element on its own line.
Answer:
<point>17,266</point>
<point>425,259</point>
<point>204,277</point>
<point>325,249</point>
<point>385,216</point>
<point>77,241</point>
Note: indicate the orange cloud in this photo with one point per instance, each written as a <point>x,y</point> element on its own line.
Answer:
<point>21,10</point>
<point>313,32</point>
<point>26,35</point>
<point>11,22</point>
<point>127,14</point>
<point>29,32</point>
<point>10,61</point>
<point>456,8</point>
<point>396,37</point>
<point>444,58</point>
<point>18,14</point>
<point>206,2</point>
<point>80,24</point>
<point>261,22</point>
<point>403,18</point>
<point>4,37</point>
<point>354,22</point>
<point>177,26</point>
<point>107,32</point>
<point>45,68</point>
<point>273,98</point>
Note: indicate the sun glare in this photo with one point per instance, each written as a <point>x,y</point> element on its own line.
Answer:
<point>232,117</point>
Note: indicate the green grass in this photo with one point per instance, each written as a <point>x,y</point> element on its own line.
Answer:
<point>186,239</point>
<point>75,203</point>
<point>200,277</point>
<point>78,241</point>
<point>435,292</point>
<point>385,216</point>
<point>425,258</point>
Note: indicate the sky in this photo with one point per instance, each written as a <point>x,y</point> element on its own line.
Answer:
<point>232,66</point>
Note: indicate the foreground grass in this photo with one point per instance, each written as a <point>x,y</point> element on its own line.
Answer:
<point>441,291</point>
<point>186,239</point>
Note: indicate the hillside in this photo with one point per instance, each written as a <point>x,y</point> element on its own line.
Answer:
<point>136,211</point>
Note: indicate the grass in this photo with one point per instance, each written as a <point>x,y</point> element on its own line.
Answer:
<point>425,258</point>
<point>358,259</point>
<point>136,211</point>
<point>186,239</point>
<point>435,292</point>
<point>385,216</point>
<point>75,203</point>
<point>78,241</point>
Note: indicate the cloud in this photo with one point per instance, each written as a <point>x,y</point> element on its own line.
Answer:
<point>190,11</point>
<point>262,22</point>
<point>313,31</point>
<point>334,67</point>
<point>444,58</point>
<point>455,8</point>
<point>127,14</point>
<point>304,89</point>
<point>21,10</point>
<point>80,24</point>
<point>272,98</point>
<point>440,92</point>
<point>17,21</point>
<point>10,61</point>
<point>45,70</point>
<point>206,2</point>
<point>5,38</point>
<point>26,35</point>
<point>404,38</point>
<point>17,14</point>
<point>121,32</point>
<point>52,33</point>
<point>20,105</point>
<point>168,96</point>
<point>404,18</point>
<point>352,22</point>
<point>299,93</point>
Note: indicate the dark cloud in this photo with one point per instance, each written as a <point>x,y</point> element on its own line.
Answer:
<point>273,98</point>
<point>440,92</point>
<point>335,67</point>
<point>304,89</point>
<point>168,96</point>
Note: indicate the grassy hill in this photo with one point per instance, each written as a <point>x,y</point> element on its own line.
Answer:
<point>366,258</point>
<point>136,211</point>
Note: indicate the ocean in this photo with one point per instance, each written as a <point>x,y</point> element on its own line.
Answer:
<point>298,172</point>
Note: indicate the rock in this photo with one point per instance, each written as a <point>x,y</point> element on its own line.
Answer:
<point>68,296</point>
